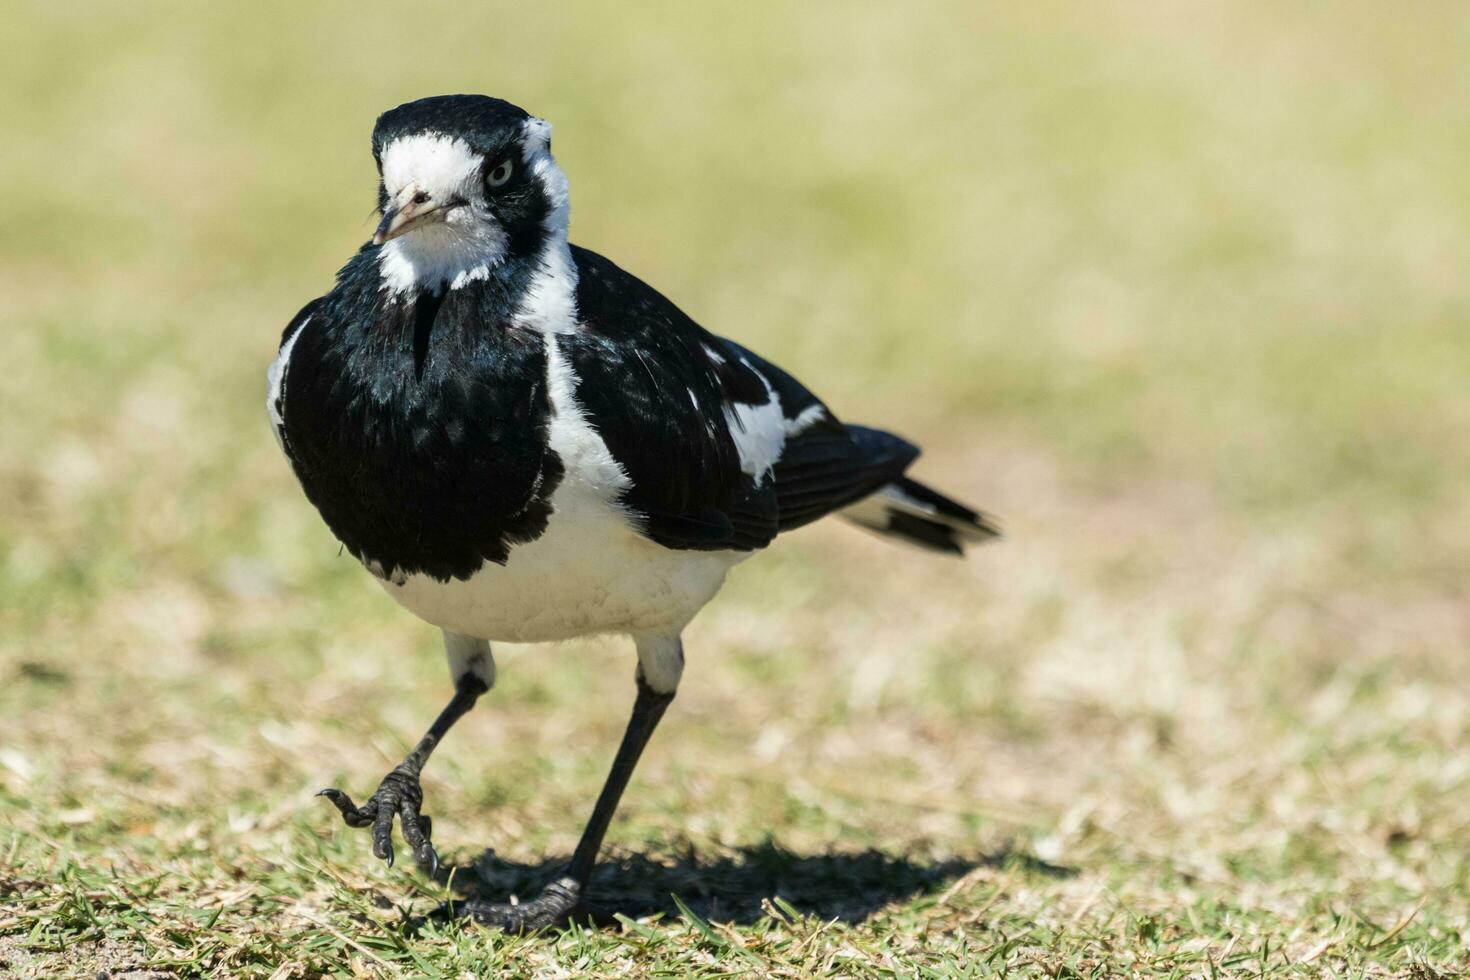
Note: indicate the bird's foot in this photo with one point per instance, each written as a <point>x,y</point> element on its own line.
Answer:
<point>399,795</point>
<point>551,908</point>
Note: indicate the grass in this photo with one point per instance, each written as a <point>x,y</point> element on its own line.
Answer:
<point>1175,290</point>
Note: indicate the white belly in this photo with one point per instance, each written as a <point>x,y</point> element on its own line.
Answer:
<point>590,572</point>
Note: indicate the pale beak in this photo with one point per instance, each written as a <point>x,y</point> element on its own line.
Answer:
<point>410,209</point>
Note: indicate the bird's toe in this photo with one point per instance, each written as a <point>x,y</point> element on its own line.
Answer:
<point>548,910</point>
<point>352,814</point>
<point>398,796</point>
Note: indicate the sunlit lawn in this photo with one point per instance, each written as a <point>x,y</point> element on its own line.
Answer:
<point>1177,291</point>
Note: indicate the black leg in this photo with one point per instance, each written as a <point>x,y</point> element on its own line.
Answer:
<point>561,897</point>
<point>400,794</point>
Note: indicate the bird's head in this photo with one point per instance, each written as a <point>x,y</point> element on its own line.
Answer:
<point>467,182</point>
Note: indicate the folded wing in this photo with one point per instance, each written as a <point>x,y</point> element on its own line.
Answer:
<point>723,449</point>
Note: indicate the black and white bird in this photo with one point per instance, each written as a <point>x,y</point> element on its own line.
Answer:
<point>522,442</point>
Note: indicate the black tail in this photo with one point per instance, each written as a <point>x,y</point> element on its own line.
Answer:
<point>909,510</point>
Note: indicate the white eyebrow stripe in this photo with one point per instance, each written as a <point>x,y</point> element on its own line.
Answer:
<point>433,161</point>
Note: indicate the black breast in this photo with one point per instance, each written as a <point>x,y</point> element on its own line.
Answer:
<point>419,429</point>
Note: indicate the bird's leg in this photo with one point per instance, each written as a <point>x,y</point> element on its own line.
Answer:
<point>560,898</point>
<point>399,794</point>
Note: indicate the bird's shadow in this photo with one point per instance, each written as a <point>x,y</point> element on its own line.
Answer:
<point>732,886</point>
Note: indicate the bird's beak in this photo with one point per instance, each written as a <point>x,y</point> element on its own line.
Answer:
<point>409,209</point>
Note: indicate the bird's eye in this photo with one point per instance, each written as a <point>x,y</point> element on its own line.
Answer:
<point>500,175</point>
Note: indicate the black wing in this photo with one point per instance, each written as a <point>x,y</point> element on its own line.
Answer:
<point>723,449</point>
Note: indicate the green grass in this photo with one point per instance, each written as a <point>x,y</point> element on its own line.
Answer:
<point>1175,290</point>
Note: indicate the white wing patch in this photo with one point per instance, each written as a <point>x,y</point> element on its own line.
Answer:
<point>809,417</point>
<point>759,432</point>
<point>275,384</point>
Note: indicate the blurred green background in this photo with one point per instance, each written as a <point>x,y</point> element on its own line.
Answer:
<point>1176,290</point>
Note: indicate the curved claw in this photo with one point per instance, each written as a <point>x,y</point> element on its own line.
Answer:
<point>416,829</point>
<point>352,814</point>
<point>383,833</point>
<point>398,796</point>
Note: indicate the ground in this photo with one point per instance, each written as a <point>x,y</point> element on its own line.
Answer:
<point>1176,291</point>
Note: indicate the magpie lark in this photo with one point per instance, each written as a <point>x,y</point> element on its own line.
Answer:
<point>522,442</point>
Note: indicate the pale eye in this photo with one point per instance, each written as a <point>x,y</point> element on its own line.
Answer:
<point>499,176</point>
